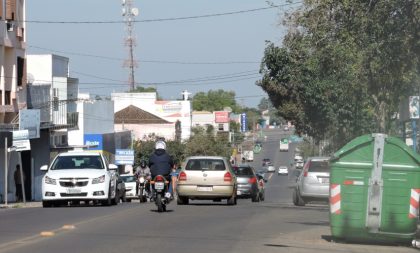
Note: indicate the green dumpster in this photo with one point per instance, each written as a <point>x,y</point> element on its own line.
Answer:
<point>374,190</point>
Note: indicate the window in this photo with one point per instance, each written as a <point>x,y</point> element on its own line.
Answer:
<point>205,164</point>
<point>7,100</point>
<point>20,70</point>
<point>10,9</point>
<point>78,162</point>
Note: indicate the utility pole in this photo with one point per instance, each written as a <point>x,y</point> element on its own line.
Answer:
<point>129,13</point>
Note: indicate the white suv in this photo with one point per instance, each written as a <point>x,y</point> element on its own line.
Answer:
<point>79,176</point>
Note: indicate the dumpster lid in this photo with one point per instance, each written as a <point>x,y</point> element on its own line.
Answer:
<point>364,139</point>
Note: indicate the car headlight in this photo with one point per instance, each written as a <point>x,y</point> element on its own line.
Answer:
<point>98,180</point>
<point>49,180</point>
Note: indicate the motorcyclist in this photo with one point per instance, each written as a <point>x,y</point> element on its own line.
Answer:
<point>161,163</point>
<point>143,170</point>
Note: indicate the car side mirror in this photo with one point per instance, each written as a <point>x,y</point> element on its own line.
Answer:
<point>44,168</point>
<point>113,167</point>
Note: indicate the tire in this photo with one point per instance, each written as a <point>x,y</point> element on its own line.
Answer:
<point>128,200</point>
<point>116,198</point>
<point>108,201</point>
<point>262,196</point>
<point>124,197</point>
<point>159,203</point>
<point>142,198</point>
<point>46,204</point>
<point>232,200</point>
<point>297,199</point>
<point>182,200</point>
<point>255,197</point>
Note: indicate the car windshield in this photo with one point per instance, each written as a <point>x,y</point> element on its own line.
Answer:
<point>319,166</point>
<point>78,162</point>
<point>205,164</point>
<point>243,171</point>
<point>128,179</point>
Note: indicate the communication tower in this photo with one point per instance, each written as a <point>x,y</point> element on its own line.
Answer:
<point>129,13</point>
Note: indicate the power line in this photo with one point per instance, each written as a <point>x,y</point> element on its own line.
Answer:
<point>148,61</point>
<point>166,19</point>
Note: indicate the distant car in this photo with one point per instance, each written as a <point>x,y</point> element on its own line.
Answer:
<point>313,182</point>
<point>261,172</point>
<point>286,128</point>
<point>283,170</point>
<point>130,187</point>
<point>271,168</point>
<point>76,176</point>
<point>206,178</point>
<point>266,162</point>
<point>299,164</point>
<point>248,182</point>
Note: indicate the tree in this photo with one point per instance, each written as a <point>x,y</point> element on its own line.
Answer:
<point>344,66</point>
<point>205,142</point>
<point>215,100</point>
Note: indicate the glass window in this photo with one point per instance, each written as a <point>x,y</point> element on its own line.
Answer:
<point>319,166</point>
<point>78,162</point>
<point>243,171</point>
<point>205,164</point>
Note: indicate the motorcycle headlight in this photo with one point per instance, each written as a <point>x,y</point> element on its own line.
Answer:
<point>49,180</point>
<point>141,180</point>
<point>98,180</point>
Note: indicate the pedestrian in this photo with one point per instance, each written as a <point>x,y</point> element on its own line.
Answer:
<point>18,183</point>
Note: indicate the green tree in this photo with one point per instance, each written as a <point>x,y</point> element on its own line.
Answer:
<point>205,142</point>
<point>215,100</point>
<point>344,66</point>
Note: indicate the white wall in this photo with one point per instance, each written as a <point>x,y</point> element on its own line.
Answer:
<point>40,67</point>
<point>95,117</point>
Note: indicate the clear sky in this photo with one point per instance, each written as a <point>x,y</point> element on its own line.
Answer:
<point>195,54</point>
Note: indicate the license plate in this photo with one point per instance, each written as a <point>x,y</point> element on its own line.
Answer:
<point>204,189</point>
<point>129,194</point>
<point>159,186</point>
<point>74,190</point>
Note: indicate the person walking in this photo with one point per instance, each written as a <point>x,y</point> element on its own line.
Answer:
<point>18,183</point>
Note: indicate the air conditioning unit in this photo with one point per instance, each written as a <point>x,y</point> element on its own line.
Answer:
<point>9,26</point>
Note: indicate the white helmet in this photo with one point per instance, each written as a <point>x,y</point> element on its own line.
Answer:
<point>160,145</point>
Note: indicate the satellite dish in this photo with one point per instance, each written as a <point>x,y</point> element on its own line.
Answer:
<point>30,78</point>
<point>135,11</point>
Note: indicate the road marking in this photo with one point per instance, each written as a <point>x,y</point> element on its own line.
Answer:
<point>47,233</point>
<point>68,227</point>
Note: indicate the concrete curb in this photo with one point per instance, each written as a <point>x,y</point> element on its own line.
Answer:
<point>17,205</point>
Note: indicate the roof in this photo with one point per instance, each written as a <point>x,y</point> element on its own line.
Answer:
<point>135,115</point>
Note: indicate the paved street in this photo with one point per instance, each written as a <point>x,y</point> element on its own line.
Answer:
<point>274,225</point>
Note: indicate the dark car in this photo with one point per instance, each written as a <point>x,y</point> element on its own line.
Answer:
<point>248,183</point>
<point>266,162</point>
<point>121,188</point>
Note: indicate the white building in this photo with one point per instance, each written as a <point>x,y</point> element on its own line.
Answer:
<point>218,119</point>
<point>171,111</point>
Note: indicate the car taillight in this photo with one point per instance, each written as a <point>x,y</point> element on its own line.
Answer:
<point>182,176</point>
<point>159,179</point>
<point>227,177</point>
<point>306,169</point>
<point>252,180</point>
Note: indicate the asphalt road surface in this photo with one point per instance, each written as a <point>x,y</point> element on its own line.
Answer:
<point>274,225</point>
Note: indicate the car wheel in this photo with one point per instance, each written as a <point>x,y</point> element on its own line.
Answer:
<point>124,197</point>
<point>46,204</point>
<point>232,200</point>
<point>297,199</point>
<point>108,201</point>
<point>182,200</point>
<point>128,200</point>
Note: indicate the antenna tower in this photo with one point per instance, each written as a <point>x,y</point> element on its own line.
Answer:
<point>129,13</point>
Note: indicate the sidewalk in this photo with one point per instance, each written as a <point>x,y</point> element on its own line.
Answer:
<point>21,205</point>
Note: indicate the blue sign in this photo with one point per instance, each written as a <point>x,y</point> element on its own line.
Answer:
<point>124,156</point>
<point>93,140</point>
<point>243,122</point>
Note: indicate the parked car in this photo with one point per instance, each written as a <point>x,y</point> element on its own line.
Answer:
<point>248,182</point>
<point>313,182</point>
<point>283,170</point>
<point>206,178</point>
<point>80,176</point>
<point>130,187</point>
<point>271,168</point>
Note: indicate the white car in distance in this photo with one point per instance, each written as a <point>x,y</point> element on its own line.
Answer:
<point>79,176</point>
<point>271,168</point>
<point>283,170</point>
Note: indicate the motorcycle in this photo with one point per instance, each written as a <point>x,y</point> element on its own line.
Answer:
<point>160,192</point>
<point>143,194</point>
